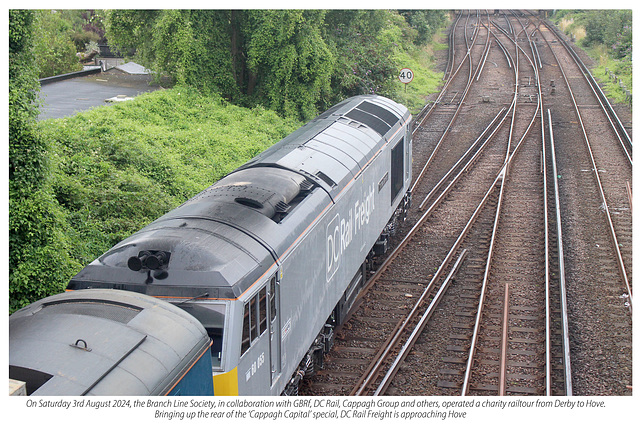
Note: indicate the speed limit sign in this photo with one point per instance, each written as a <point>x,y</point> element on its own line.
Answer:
<point>406,75</point>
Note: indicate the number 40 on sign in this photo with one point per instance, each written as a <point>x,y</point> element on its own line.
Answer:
<point>405,76</point>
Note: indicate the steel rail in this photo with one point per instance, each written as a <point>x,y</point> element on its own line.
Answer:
<point>450,63</point>
<point>548,253</point>
<point>452,51</point>
<point>443,91</point>
<point>547,242</point>
<point>537,63</point>
<point>612,232</point>
<point>561,271</point>
<point>393,369</point>
<point>483,290</point>
<point>502,383</point>
<point>464,156</point>
<point>509,23</point>
<point>484,60</point>
<point>505,327</point>
<point>372,371</point>
<point>501,176</point>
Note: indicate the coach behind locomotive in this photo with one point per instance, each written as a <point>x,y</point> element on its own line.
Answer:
<point>270,258</point>
<point>104,342</point>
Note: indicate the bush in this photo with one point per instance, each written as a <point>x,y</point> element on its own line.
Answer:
<point>37,246</point>
<point>608,40</point>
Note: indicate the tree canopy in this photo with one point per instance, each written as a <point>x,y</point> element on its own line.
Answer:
<point>295,62</point>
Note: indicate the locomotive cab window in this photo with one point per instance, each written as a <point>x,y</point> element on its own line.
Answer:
<point>397,169</point>
<point>254,322</point>
<point>211,316</point>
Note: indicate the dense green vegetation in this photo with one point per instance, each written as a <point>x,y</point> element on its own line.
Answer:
<point>38,247</point>
<point>606,35</point>
<point>61,35</point>
<point>53,45</point>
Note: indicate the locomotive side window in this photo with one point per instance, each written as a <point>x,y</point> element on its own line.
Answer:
<point>250,324</point>
<point>254,317</point>
<point>246,327</point>
<point>272,298</point>
<point>397,169</point>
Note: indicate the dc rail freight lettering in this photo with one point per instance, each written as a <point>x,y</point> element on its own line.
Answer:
<point>238,290</point>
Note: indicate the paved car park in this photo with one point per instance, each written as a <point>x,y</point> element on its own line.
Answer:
<point>68,96</point>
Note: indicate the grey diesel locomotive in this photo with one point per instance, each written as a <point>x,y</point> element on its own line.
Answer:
<point>270,258</point>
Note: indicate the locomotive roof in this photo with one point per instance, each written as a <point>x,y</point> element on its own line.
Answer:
<point>222,240</point>
<point>102,342</point>
<point>335,146</point>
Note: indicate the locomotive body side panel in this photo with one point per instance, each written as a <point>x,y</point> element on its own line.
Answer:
<point>316,274</point>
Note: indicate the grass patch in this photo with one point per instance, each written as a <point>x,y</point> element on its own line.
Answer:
<point>615,75</point>
<point>426,80</point>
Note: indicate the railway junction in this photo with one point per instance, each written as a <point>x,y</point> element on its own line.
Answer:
<point>512,274</point>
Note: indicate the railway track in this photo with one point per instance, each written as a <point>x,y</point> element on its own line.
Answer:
<point>474,299</point>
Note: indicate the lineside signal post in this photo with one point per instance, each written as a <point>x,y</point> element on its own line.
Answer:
<point>405,76</point>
